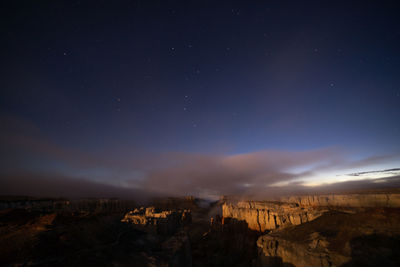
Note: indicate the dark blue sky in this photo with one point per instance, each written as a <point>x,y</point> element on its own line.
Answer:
<point>123,79</point>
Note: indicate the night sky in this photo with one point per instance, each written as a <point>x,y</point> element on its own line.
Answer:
<point>114,98</point>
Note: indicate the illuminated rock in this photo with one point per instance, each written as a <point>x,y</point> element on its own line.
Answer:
<point>161,222</point>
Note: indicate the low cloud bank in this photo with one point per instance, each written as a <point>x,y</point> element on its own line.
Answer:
<point>30,166</point>
<point>56,185</point>
<point>259,174</point>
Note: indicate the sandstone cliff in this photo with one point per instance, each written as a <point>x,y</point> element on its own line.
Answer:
<point>366,238</point>
<point>262,216</point>
<point>275,251</point>
<point>161,222</point>
<point>391,200</point>
<point>295,210</point>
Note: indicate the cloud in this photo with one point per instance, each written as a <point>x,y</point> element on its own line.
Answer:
<point>384,183</point>
<point>297,188</point>
<point>123,173</point>
<point>381,172</point>
<point>236,174</point>
<point>56,185</point>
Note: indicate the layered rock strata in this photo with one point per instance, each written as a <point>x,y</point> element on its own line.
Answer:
<point>364,238</point>
<point>346,200</point>
<point>275,251</point>
<point>262,216</point>
<point>154,221</point>
<point>295,210</point>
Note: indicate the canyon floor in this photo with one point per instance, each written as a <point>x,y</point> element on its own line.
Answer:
<point>334,230</point>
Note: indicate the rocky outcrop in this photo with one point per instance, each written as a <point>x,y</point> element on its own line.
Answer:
<point>346,200</point>
<point>368,237</point>
<point>225,242</point>
<point>262,216</point>
<point>155,221</point>
<point>275,251</point>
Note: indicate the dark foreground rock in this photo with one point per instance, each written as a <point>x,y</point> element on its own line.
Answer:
<point>31,237</point>
<point>368,238</point>
<point>305,231</point>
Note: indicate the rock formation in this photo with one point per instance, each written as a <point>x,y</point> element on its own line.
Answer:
<point>389,200</point>
<point>322,230</point>
<point>262,216</point>
<point>160,222</point>
<point>275,251</point>
<point>366,238</point>
<point>295,210</point>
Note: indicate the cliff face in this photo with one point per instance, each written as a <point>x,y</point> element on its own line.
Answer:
<point>345,200</point>
<point>225,242</point>
<point>295,210</point>
<point>364,238</point>
<point>262,216</point>
<point>280,252</point>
